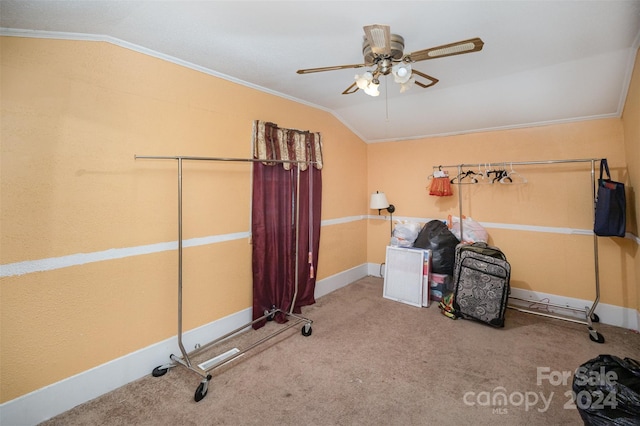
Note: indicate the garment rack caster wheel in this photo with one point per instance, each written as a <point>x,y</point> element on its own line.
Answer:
<point>307,330</point>
<point>271,314</point>
<point>596,337</point>
<point>202,389</point>
<point>595,318</point>
<point>161,370</point>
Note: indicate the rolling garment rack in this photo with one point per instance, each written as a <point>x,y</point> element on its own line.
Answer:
<point>203,369</point>
<point>590,315</point>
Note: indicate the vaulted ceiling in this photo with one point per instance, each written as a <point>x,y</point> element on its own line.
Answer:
<point>542,62</point>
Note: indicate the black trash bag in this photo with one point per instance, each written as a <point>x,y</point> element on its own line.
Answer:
<point>435,236</point>
<point>607,391</point>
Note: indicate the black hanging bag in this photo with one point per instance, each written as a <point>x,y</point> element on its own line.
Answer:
<point>610,216</point>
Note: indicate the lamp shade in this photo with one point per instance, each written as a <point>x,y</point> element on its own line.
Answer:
<point>378,201</point>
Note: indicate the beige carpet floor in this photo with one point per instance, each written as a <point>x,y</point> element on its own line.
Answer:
<point>373,361</point>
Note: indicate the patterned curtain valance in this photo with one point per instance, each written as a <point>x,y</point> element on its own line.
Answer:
<point>271,142</point>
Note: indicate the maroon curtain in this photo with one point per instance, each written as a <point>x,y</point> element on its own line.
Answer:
<point>309,235</point>
<point>281,215</point>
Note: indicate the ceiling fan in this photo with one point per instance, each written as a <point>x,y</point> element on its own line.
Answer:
<point>384,51</point>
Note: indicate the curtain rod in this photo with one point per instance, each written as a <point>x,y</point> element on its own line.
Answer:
<point>523,163</point>
<point>245,160</point>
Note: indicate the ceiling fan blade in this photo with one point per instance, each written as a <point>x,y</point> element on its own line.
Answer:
<point>351,89</point>
<point>379,37</point>
<point>426,77</point>
<point>337,67</point>
<point>457,48</point>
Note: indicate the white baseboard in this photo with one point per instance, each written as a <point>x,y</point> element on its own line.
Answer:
<point>339,280</point>
<point>47,402</point>
<point>376,269</point>
<point>609,314</point>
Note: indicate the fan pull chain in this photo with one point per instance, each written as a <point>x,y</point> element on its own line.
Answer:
<point>386,97</point>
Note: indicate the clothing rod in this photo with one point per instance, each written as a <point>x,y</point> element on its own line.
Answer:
<point>242,160</point>
<point>522,163</point>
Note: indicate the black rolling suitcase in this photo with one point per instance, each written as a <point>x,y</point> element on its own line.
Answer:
<point>481,283</point>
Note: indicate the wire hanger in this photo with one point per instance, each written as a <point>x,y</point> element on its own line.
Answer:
<point>513,177</point>
<point>499,174</point>
<point>483,176</point>
<point>439,174</point>
<point>463,175</point>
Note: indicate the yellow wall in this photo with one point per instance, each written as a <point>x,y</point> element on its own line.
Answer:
<point>556,196</point>
<point>631,125</point>
<point>73,116</point>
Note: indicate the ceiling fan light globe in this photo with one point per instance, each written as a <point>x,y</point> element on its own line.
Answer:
<point>401,80</point>
<point>361,83</point>
<point>401,73</point>
<point>407,85</point>
<point>372,89</point>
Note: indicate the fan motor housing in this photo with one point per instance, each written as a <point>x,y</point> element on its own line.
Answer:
<point>397,48</point>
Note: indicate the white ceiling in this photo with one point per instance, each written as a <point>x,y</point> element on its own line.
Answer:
<point>543,61</point>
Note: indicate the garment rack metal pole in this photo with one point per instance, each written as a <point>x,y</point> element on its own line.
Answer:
<point>590,314</point>
<point>204,368</point>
